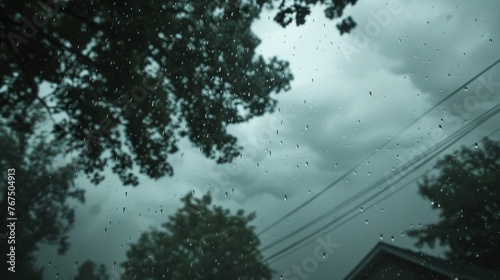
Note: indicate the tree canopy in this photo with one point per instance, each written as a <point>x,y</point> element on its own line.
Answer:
<point>466,193</point>
<point>199,241</point>
<point>44,208</point>
<point>124,81</point>
<point>91,271</point>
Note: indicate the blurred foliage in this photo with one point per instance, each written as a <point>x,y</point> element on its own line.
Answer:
<point>44,207</point>
<point>467,195</point>
<point>125,81</point>
<point>198,242</point>
<point>90,271</point>
<point>298,10</point>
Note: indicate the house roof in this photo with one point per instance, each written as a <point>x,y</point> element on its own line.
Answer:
<point>452,269</point>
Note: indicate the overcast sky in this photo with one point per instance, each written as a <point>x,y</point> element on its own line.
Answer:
<point>351,94</point>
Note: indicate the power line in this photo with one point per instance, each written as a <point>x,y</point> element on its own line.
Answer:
<point>308,201</point>
<point>449,141</point>
<point>358,213</point>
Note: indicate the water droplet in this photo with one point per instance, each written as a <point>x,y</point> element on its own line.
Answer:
<point>382,210</point>
<point>491,40</point>
<point>403,234</point>
<point>307,127</point>
<point>297,146</point>
<point>285,198</point>
<point>225,194</point>
<point>307,163</point>
<point>309,191</point>
<point>125,194</point>
<point>324,255</point>
<point>381,236</point>
<point>114,264</point>
<point>466,88</point>
<point>123,211</point>
<point>476,145</point>
<point>336,165</point>
<point>76,264</point>
<point>392,238</point>
<point>440,127</point>
<point>370,93</point>
<point>366,221</point>
<point>355,173</point>
<point>361,209</point>
<point>105,230</point>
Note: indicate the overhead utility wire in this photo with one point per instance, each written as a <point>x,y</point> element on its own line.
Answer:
<point>308,201</point>
<point>358,213</point>
<point>453,138</point>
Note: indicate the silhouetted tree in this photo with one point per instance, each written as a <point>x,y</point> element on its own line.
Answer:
<point>198,242</point>
<point>129,79</point>
<point>42,206</point>
<point>91,271</point>
<point>467,194</point>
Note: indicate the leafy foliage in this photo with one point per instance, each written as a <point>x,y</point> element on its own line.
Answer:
<point>199,242</point>
<point>298,10</point>
<point>467,194</point>
<point>129,79</point>
<point>90,271</point>
<point>43,206</point>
